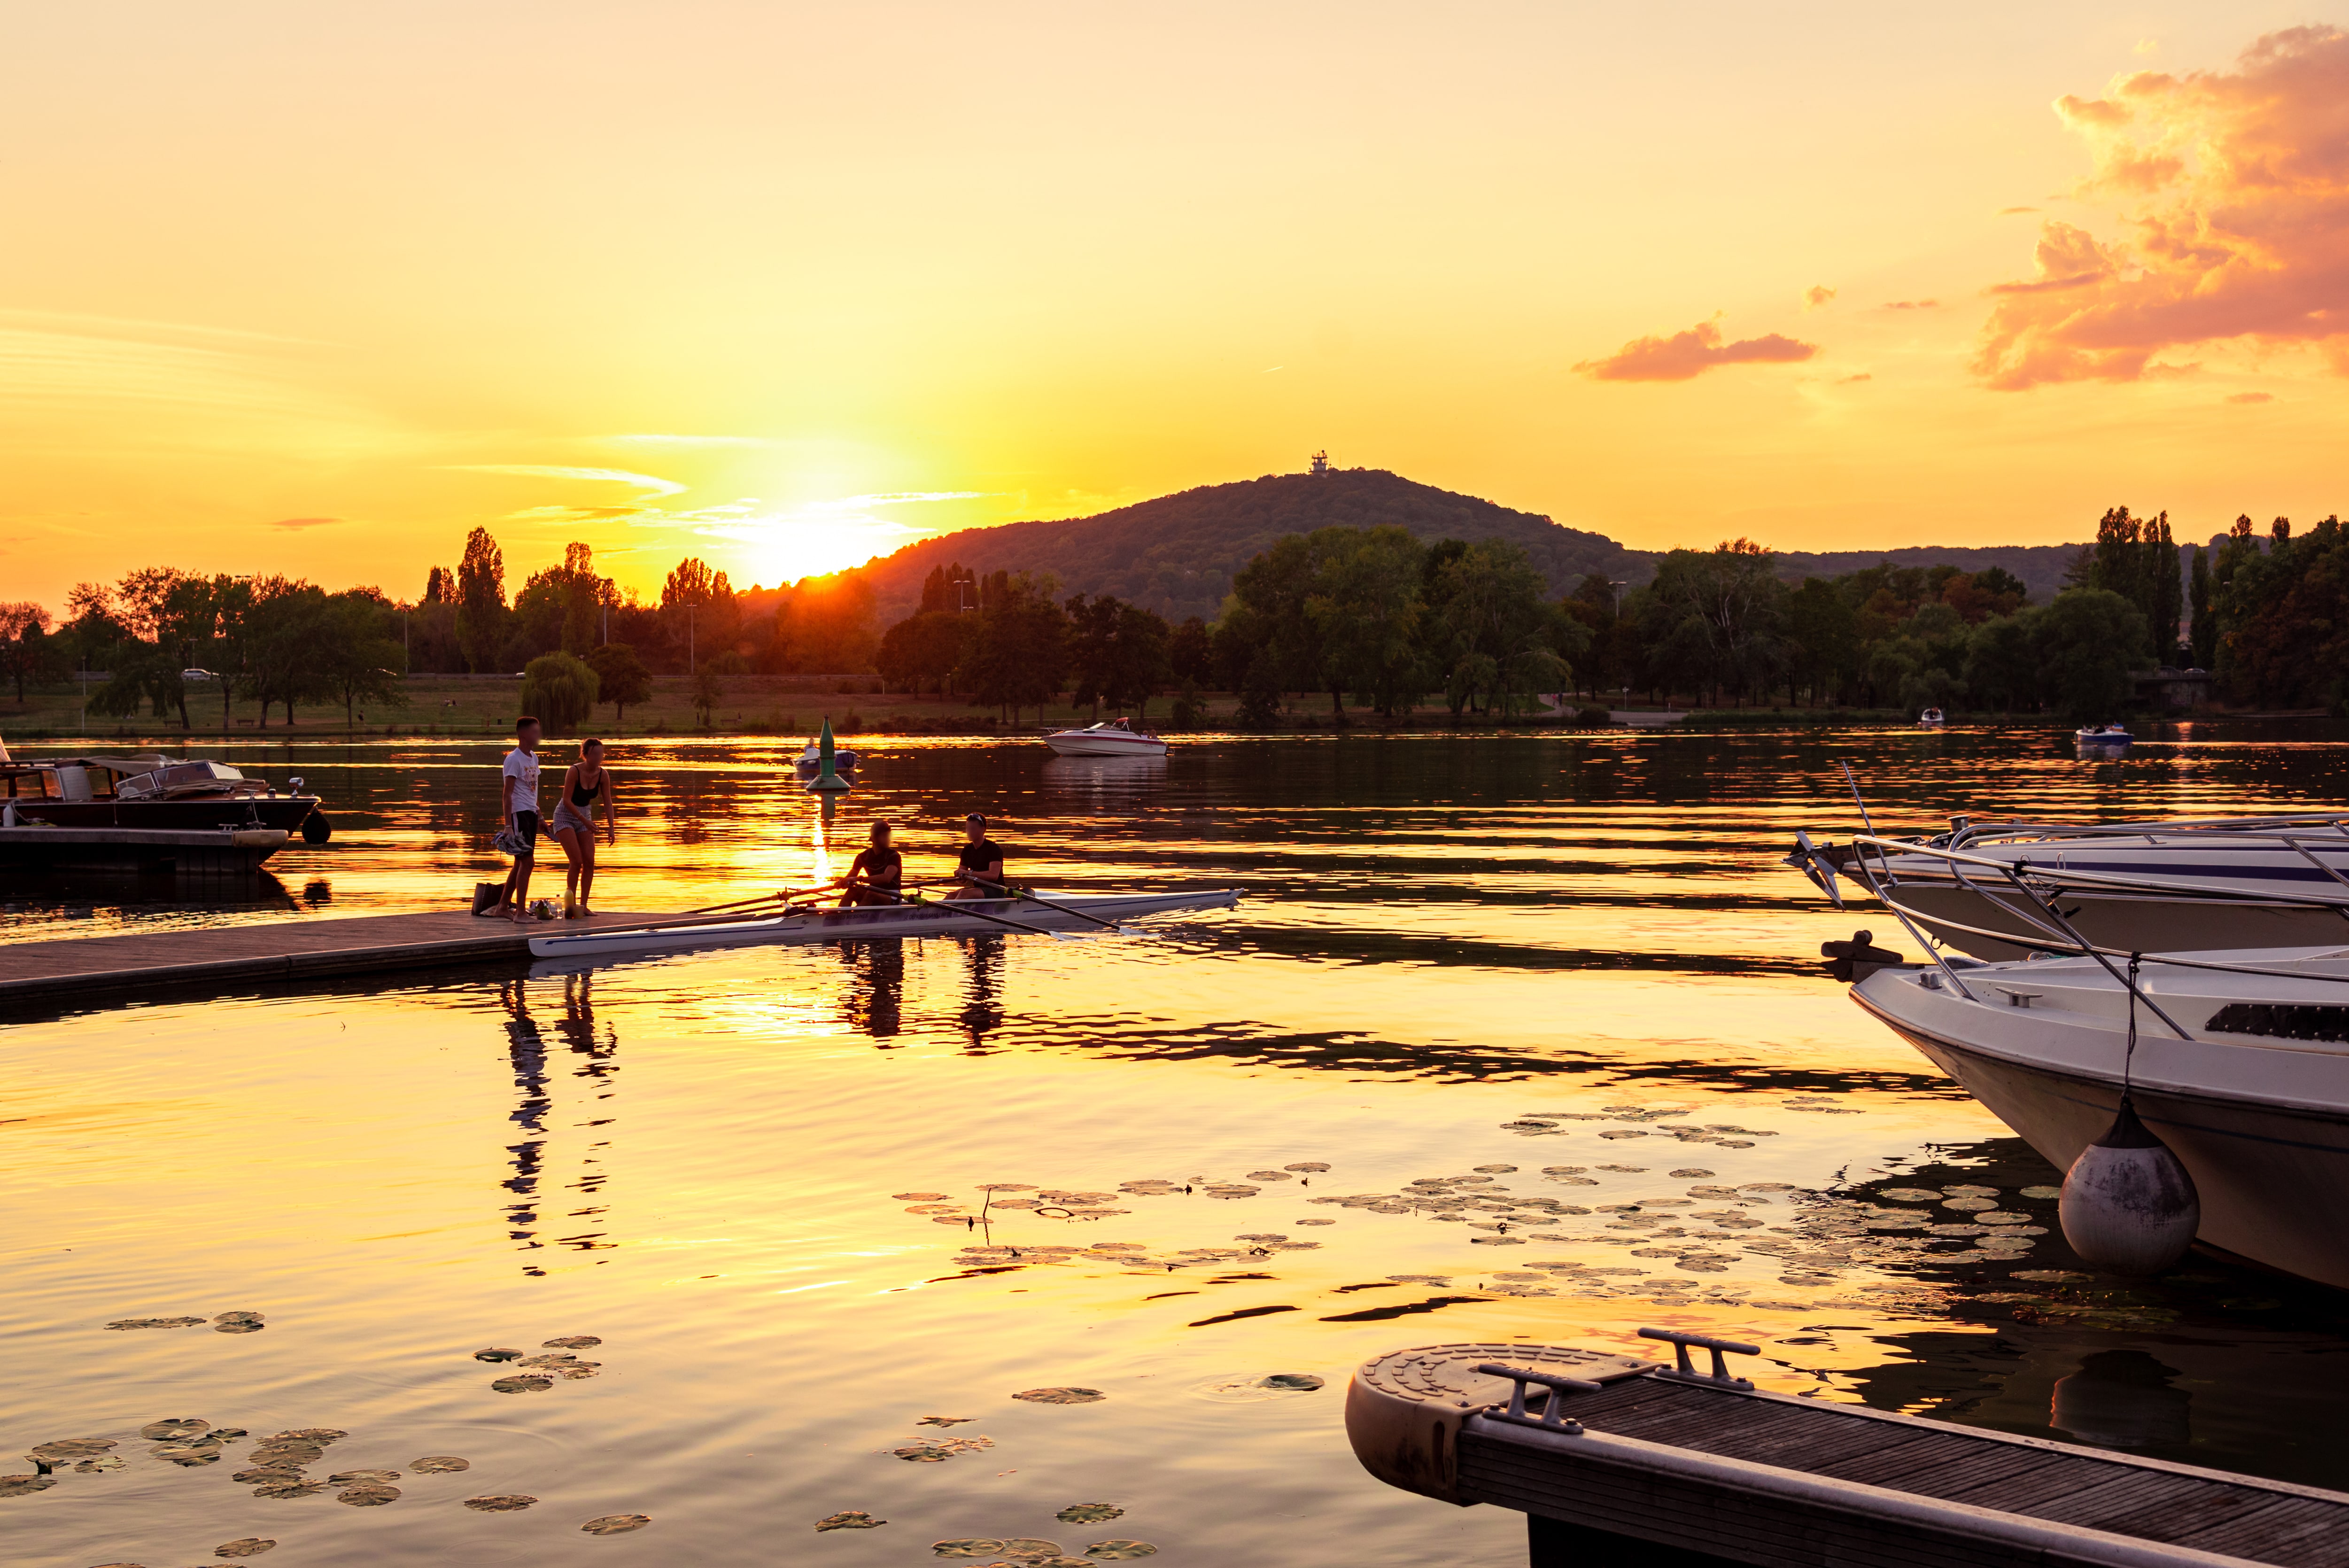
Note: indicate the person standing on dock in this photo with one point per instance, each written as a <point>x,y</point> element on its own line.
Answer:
<point>587,789</point>
<point>518,803</point>
<point>980,869</point>
<point>876,875</point>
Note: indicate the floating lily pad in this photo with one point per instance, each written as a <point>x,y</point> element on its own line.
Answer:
<point>924,1453</point>
<point>1968,1205</point>
<point>616,1523</point>
<point>1028,1550</point>
<point>945,1420</point>
<point>1007,1187</point>
<point>227,1434</point>
<point>1120,1551</point>
<point>1691,1174</point>
<point>368,1495</point>
<point>188,1455</point>
<point>310,1435</point>
<point>341,1478</point>
<point>261,1475</point>
<point>1495,1170</point>
<point>95,1467</point>
<point>855,1518</point>
<point>1268,1176</point>
<point>295,1486</point>
<point>286,1453</point>
<point>250,1546</point>
<point>975,1546</point>
<point>556,1358</point>
<point>237,1322</point>
<point>500,1502</point>
<point>1300,1382</point>
<point>439,1464</point>
<point>1090,1513</point>
<point>1060,1395</point>
<point>573,1342</point>
<point>58,1449</point>
<point>1307,1164</point>
<point>530,1383</point>
<point>123,1323</point>
<point>17,1486</point>
<point>174,1430</point>
<point>499,1353</point>
<point>2040,1192</point>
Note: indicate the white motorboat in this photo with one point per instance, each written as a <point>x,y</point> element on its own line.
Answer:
<point>1931,719</point>
<point>2103,735</point>
<point>810,761</point>
<point>1111,738</point>
<point>2241,1066</point>
<point>1050,913</point>
<point>2153,887</point>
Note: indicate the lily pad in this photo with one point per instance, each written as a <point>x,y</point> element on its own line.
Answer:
<point>1307,1164</point>
<point>1029,1550</point>
<point>1120,1551</point>
<point>58,1449</point>
<point>1060,1395</point>
<point>573,1342</point>
<point>975,1546</point>
<point>123,1323</point>
<point>529,1383</point>
<point>919,1197</point>
<point>1007,1187</point>
<point>17,1486</point>
<point>1495,1170</point>
<point>924,1453</point>
<point>286,1453</point>
<point>95,1467</point>
<point>1090,1513</point>
<point>2039,1192</point>
<point>295,1487</point>
<point>262,1475</point>
<point>250,1546</point>
<point>1299,1382</point>
<point>238,1323</point>
<point>368,1495</point>
<point>343,1477</point>
<point>499,1353</point>
<point>500,1502</point>
<point>439,1464</point>
<point>616,1523</point>
<point>174,1430</point>
<point>310,1435</point>
<point>1691,1174</point>
<point>187,1455</point>
<point>1969,1204</point>
<point>945,1420</point>
<point>855,1518</point>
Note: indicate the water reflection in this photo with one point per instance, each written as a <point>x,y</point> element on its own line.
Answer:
<point>594,1052</point>
<point>873,1002</point>
<point>2122,1399</point>
<point>982,1009</point>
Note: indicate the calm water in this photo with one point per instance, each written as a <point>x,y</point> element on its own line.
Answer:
<point>723,1165</point>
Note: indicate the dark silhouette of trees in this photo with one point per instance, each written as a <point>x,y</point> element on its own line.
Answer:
<point>621,678</point>
<point>482,602</point>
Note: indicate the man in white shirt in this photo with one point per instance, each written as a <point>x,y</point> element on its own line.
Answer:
<point>518,803</point>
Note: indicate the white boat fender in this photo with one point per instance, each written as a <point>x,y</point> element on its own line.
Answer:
<point>2129,1205</point>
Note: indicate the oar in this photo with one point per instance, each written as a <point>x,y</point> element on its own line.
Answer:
<point>1065,908</point>
<point>941,904</point>
<point>786,896</point>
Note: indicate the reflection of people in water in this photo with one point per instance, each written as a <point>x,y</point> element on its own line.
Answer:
<point>526,1047</point>
<point>981,1012</point>
<point>877,989</point>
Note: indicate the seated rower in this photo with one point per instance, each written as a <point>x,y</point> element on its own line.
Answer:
<point>876,875</point>
<point>980,869</point>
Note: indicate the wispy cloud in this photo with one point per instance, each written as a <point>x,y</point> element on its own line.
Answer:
<point>304,521</point>
<point>1686,355</point>
<point>645,482</point>
<point>1818,293</point>
<point>1912,304</point>
<point>2010,212</point>
<point>2252,398</point>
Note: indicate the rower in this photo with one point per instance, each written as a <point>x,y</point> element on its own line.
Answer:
<point>874,875</point>
<point>980,869</point>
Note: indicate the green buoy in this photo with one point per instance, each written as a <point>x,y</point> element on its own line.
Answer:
<point>825,777</point>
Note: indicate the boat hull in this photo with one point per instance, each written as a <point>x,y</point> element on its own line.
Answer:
<point>2120,922</point>
<point>875,923</point>
<point>1082,743</point>
<point>192,853</point>
<point>2273,1180</point>
<point>286,813</point>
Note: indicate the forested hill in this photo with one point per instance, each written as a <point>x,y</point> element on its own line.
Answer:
<point>2041,567</point>
<point>1178,553</point>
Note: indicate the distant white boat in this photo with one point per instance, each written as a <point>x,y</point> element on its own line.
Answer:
<point>810,761</point>
<point>2103,735</point>
<point>1111,738</point>
<point>1931,719</point>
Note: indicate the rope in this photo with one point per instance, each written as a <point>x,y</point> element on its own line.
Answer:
<point>2129,1052</point>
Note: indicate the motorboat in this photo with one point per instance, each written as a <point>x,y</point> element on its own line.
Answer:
<point>2004,890</point>
<point>2103,735</point>
<point>181,852</point>
<point>1931,719</point>
<point>1110,738</point>
<point>810,761</point>
<point>154,793</point>
<point>2240,1066</point>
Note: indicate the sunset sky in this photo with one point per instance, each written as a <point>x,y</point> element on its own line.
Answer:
<point>317,290</point>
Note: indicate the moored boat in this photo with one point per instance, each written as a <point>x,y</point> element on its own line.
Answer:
<point>153,793</point>
<point>809,763</point>
<point>203,852</point>
<point>1110,738</point>
<point>2103,735</point>
<point>2240,1066</point>
<point>1931,719</point>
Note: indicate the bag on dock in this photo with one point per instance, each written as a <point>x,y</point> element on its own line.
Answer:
<point>486,896</point>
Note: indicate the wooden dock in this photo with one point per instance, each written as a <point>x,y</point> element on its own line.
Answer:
<point>78,971</point>
<point>1625,1458</point>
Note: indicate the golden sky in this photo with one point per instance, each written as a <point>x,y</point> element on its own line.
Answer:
<point>315,289</point>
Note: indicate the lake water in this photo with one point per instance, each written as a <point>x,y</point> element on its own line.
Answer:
<point>1563,975</point>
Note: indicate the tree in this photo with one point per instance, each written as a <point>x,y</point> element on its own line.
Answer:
<point>1018,650</point>
<point>560,691</point>
<point>824,626</point>
<point>925,649</point>
<point>24,645</point>
<point>1191,653</point>
<point>621,678</point>
<point>481,612</point>
<point>1491,629</point>
<point>1713,618</point>
<point>709,690</point>
<point>285,654</point>
<point>232,605</point>
<point>701,599</point>
<point>2137,558</point>
<point>2003,665</point>
<point>1367,607</point>
<point>357,660</point>
<point>2204,622</point>
<point>440,586</point>
<point>1821,638</point>
<point>2089,639</point>
<point>1269,620</point>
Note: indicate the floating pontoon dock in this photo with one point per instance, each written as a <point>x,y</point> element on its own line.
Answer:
<point>1612,1458</point>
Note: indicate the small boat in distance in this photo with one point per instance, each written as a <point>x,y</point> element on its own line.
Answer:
<point>810,761</point>
<point>1931,719</point>
<point>2103,735</point>
<point>1111,738</point>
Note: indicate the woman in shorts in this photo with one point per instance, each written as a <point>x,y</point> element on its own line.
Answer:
<point>586,790</point>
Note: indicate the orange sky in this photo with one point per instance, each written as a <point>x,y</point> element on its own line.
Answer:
<point>315,289</point>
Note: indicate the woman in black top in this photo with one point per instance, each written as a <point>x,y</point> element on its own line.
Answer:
<point>586,790</point>
<point>980,869</point>
<point>876,873</point>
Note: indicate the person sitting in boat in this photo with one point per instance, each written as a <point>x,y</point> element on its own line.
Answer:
<point>980,869</point>
<point>876,875</point>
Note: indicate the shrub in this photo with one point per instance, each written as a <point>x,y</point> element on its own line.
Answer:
<point>560,691</point>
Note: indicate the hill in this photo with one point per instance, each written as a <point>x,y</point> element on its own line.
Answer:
<point>1178,553</point>
<point>2041,567</point>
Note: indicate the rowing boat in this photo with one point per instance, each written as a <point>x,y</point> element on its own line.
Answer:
<point>945,918</point>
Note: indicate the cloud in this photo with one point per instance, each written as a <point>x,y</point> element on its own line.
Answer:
<point>304,521</point>
<point>2252,398</point>
<point>1685,354</point>
<point>1912,305</point>
<point>2010,212</point>
<point>1818,293</point>
<point>644,482</point>
<point>2232,193</point>
<point>1863,376</point>
<point>656,439</point>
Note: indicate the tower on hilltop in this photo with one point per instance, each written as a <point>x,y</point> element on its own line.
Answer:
<point>1321,463</point>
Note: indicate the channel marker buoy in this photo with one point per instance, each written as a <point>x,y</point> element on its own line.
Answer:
<point>2129,1205</point>
<point>825,778</point>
